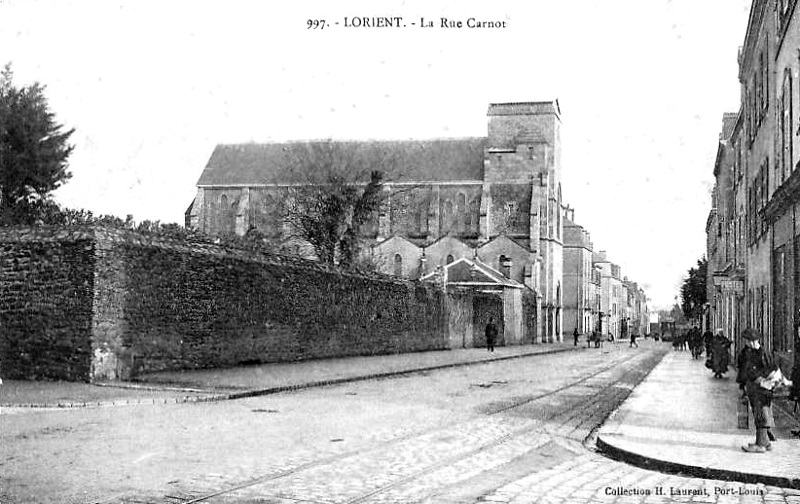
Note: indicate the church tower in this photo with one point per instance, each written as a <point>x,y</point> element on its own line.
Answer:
<point>522,196</point>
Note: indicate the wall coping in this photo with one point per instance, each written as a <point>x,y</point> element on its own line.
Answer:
<point>105,237</point>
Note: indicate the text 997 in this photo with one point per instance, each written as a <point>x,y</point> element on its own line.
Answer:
<point>316,24</point>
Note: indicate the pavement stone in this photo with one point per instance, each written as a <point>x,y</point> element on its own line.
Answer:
<point>681,418</point>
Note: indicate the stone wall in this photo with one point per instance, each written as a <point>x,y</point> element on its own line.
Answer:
<point>109,304</point>
<point>196,310</point>
<point>46,285</point>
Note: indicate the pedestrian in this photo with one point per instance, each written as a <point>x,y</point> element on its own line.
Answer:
<point>633,340</point>
<point>708,339</point>
<point>696,343</point>
<point>755,363</point>
<point>575,336</point>
<point>720,354</point>
<point>491,334</point>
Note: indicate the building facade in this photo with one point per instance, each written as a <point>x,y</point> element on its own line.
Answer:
<point>725,275</point>
<point>579,292</point>
<point>753,230</point>
<point>611,295</point>
<point>496,199</point>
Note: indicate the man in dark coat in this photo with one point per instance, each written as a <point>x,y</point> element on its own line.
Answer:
<point>720,354</point>
<point>708,341</point>
<point>755,363</point>
<point>491,334</point>
<point>575,335</point>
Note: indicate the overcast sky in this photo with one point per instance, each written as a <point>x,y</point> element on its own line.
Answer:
<point>152,86</point>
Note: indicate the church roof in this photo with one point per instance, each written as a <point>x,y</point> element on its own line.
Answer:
<point>444,160</point>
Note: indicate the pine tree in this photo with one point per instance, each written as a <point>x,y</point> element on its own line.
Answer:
<point>33,151</point>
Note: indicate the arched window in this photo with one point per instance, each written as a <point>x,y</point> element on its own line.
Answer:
<point>461,212</point>
<point>222,215</point>
<point>422,216</point>
<point>447,216</point>
<point>450,258</point>
<point>511,214</point>
<point>558,213</point>
<point>398,265</point>
<point>474,216</point>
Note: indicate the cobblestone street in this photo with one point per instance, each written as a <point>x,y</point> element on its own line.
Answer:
<point>509,431</point>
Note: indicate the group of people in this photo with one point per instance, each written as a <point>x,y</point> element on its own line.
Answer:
<point>757,376</point>
<point>715,346</point>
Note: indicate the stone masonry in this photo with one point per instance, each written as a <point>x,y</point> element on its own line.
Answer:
<point>97,304</point>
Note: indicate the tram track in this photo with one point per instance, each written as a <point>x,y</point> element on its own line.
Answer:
<point>582,413</point>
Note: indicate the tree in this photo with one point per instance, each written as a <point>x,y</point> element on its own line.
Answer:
<point>33,151</point>
<point>336,188</point>
<point>693,290</point>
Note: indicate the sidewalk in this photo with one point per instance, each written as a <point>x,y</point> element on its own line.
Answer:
<point>247,381</point>
<point>682,419</point>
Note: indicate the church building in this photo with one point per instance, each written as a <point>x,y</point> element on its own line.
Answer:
<point>494,200</point>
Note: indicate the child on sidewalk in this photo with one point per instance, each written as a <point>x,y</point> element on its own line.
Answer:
<point>754,363</point>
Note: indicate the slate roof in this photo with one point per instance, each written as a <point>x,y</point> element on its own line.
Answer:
<point>444,159</point>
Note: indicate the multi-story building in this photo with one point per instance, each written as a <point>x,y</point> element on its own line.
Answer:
<point>754,234</point>
<point>782,145</point>
<point>611,295</point>
<point>637,319</point>
<point>579,293</point>
<point>725,281</point>
<point>495,198</point>
<point>755,76</point>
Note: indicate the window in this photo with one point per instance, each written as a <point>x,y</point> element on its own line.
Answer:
<point>782,320</point>
<point>505,266</point>
<point>450,258</point>
<point>226,215</point>
<point>510,215</point>
<point>543,221</point>
<point>785,124</point>
<point>422,216</point>
<point>761,86</point>
<point>398,265</point>
<point>447,216</point>
<point>461,212</point>
<point>474,216</point>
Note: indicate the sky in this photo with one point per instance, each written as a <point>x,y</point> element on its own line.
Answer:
<point>152,86</point>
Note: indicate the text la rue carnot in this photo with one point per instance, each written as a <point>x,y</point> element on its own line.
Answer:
<point>401,22</point>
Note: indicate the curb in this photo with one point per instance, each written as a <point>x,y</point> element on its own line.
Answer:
<point>652,464</point>
<point>268,391</point>
<point>374,376</point>
<point>676,468</point>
